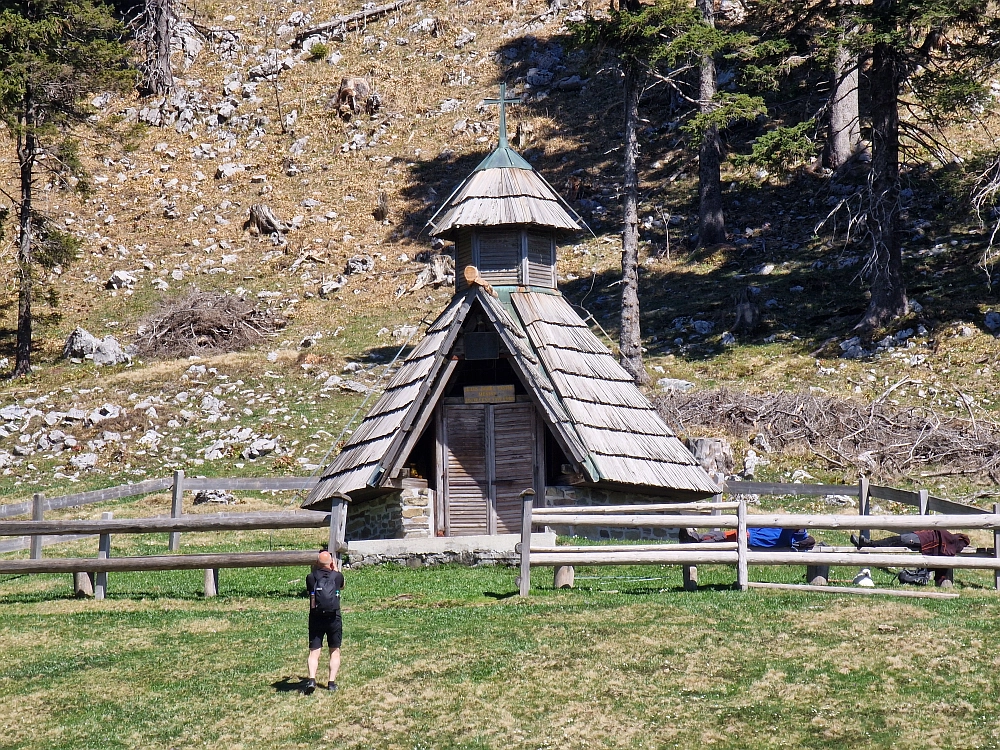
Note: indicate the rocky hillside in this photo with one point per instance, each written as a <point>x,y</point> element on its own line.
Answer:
<point>347,274</point>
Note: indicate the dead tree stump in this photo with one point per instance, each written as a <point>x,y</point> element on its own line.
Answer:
<point>263,220</point>
<point>714,454</point>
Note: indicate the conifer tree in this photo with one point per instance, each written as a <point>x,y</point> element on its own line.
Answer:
<point>941,54</point>
<point>52,54</point>
<point>643,38</point>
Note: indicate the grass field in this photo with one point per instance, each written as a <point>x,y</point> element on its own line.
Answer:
<point>447,657</point>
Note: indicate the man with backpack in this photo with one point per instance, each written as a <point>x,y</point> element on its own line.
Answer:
<point>324,585</point>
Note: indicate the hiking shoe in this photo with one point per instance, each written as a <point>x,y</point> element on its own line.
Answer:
<point>332,687</point>
<point>856,540</point>
<point>310,687</point>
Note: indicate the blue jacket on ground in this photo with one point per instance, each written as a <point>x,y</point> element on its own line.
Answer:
<point>776,537</point>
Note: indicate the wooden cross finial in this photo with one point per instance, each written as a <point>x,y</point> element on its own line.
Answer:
<point>503,101</point>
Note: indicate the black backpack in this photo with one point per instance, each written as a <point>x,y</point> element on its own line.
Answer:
<point>917,577</point>
<point>325,591</point>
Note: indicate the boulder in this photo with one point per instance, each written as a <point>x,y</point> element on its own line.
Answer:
<point>84,461</point>
<point>110,352</point>
<point>219,497</point>
<point>674,384</point>
<point>260,447</point>
<point>79,344</point>
<point>539,77</point>
<point>121,280</point>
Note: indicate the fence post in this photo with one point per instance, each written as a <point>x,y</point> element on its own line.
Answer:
<point>82,585</point>
<point>211,582</point>
<point>720,479</point>
<point>742,544</point>
<point>922,501</point>
<point>37,514</point>
<point>864,508</point>
<point>177,508</point>
<point>338,525</point>
<point>996,548</point>
<point>524,580</point>
<point>103,552</point>
<point>689,575</point>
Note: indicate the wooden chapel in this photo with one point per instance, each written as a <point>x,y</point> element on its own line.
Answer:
<point>508,390</point>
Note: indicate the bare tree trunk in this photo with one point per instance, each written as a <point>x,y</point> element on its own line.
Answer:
<point>845,124</point>
<point>711,220</point>
<point>630,339</point>
<point>885,266</point>
<point>160,16</point>
<point>27,152</point>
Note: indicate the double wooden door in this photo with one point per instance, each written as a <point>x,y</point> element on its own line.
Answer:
<point>488,460</point>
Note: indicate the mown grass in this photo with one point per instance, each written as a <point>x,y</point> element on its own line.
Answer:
<point>447,657</point>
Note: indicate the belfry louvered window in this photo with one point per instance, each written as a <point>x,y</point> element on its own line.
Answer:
<point>507,257</point>
<point>500,256</point>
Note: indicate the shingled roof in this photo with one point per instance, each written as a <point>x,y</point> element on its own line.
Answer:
<point>600,418</point>
<point>503,190</point>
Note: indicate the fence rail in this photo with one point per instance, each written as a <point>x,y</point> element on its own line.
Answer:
<point>306,519</point>
<point>90,574</point>
<point>739,553</point>
<point>212,561</point>
<point>195,484</point>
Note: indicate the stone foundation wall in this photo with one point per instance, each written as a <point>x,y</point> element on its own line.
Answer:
<point>404,514</point>
<point>559,496</point>
<point>474,558</point>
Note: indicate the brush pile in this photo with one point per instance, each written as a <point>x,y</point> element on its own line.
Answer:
<point>879,439</point>
<point>204,323</point>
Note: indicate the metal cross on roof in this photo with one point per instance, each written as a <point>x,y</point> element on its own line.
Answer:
<point>503,101</point>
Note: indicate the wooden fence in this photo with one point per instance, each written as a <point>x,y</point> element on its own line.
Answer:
<point>90,574</point>
<point>38,532</point>
<point>738,553</point>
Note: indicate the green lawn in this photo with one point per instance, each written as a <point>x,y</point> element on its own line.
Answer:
<point>447,658</point>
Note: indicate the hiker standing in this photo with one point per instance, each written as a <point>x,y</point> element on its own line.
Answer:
<point>324,585</point>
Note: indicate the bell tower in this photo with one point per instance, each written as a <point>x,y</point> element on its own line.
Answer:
<point>505,219</point>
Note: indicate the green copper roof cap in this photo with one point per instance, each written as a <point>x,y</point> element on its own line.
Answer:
<point>501,157</point>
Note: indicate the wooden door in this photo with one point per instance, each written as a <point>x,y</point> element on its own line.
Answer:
<point>513,462</point>
<point>466,481</point>
<point>488,460</point>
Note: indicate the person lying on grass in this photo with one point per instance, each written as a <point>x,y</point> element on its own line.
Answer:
<point>798,540</point>
<point>324,585</point>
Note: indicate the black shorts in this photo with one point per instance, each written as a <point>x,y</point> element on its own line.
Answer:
<point>326,624</point>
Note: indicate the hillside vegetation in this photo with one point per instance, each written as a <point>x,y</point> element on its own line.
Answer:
<point>167,205</point>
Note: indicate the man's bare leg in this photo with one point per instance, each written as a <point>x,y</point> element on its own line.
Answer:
<point>312,664</point>
<point>334,664</point>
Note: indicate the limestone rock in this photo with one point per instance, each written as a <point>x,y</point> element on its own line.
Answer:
<point>674,384</point>
<point>79,344</point>
<point>110,352</point>
<point>121,280</point>
<point>219,497</point>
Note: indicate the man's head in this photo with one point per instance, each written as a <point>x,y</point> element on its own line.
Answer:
<point>325,560</point>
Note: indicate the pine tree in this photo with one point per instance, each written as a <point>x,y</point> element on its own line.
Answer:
<point>157,27</point>
<point>52,54</point>
<point>642,38</point>
<point>711,219</point>
<point>622,34</point>
<point>941,53</point>
<point>844,118</point>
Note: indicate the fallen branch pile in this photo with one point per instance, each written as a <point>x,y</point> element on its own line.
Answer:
<point>204,323</point>
<point>879,439</point>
